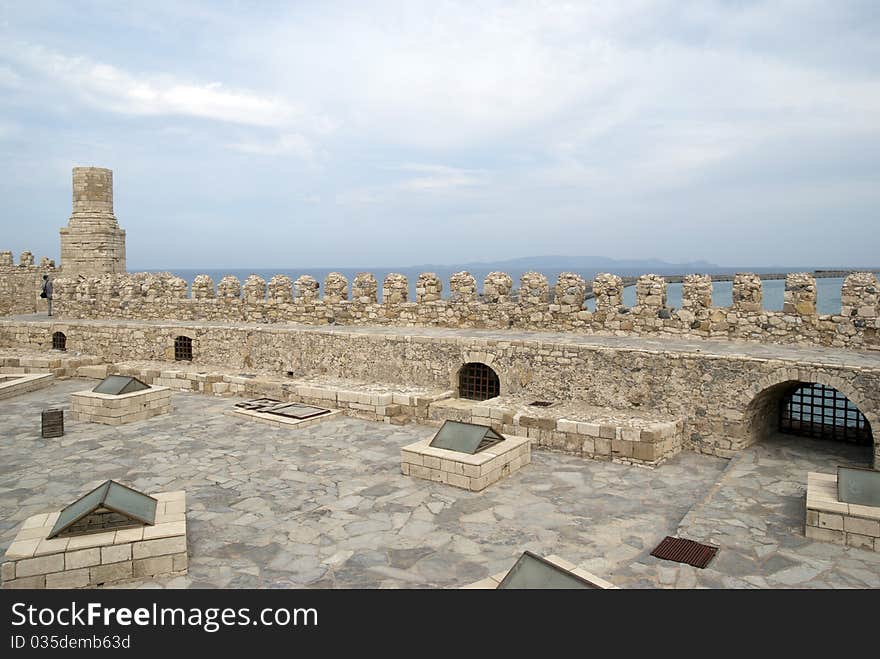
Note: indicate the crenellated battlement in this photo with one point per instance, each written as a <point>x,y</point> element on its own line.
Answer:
<point>535,305</point>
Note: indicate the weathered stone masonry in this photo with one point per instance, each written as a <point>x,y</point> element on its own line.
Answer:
<point>535,307</point>
<point>712,398</point>
<point>92,242</point>
<point>20,285</point>
<point>719,396</point>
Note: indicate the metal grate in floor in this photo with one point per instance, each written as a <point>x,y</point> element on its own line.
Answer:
<point>685,551</point>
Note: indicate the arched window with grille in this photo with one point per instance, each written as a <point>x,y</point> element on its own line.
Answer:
<point>478,381</point>
<point>183,349</point>
<point>59,341</point>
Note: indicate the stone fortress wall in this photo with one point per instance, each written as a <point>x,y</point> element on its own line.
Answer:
<point>719,397</point>
<point>20,285</point>
<point>536,305</point>
<point>93,283</point>
<point>725,401</point>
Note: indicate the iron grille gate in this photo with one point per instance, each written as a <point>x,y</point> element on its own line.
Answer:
<point>821,412</point>
<point>59,341</point>
<point>477,382</point>
<point>183,349</point>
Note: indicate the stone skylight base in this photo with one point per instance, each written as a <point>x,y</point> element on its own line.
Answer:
<point>277,419</point>
<point>491,583</point>
<point>116,410</point>
<point>14,384</point>
<point>641,438</point>
<point>835,521</point>
<point>98,559</point>
<point>470,472</point>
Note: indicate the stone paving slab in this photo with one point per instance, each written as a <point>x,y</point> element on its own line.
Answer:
<point>756,514</point>
<point>326,506</point>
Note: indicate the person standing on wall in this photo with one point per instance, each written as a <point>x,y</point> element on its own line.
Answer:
<point>47,291</point>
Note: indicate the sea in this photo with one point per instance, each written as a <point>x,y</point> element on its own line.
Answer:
<point>827,290</point>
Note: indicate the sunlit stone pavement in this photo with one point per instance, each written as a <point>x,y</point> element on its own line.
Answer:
<point>326,506</point>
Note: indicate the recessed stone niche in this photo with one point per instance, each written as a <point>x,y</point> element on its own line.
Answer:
<point>465,455</point>
<point>114,550</point>
<point>831,520</point>
<point>118,400</point>
<point>13,384</point>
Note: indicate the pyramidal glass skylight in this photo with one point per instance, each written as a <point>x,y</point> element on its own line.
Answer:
<point>532,572</point>
<point>110,506</point>
<point>465,437</point>
<point>116,385</point>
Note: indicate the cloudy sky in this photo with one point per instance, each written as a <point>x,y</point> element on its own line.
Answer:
<point>313,133</point>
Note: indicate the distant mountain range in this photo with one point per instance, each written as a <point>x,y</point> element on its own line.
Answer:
<point>588,263</point>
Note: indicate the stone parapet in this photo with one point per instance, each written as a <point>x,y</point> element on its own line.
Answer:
<point>160,296</point>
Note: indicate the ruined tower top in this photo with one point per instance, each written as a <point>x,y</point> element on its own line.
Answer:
<point>92,242</point>
<point>92,190</point>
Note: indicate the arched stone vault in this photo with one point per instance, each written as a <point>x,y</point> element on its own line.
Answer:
<point>760,402</point>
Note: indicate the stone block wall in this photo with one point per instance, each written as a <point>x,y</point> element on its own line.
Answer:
<point>98,559</point>
<point>20,285</point>
<point>470,472</point>
<point>92,242</point>
<point>116,410</point>
<point>714,392</point>
<point>830,520</point>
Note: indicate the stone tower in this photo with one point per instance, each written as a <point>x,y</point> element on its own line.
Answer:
<point>92,242</point>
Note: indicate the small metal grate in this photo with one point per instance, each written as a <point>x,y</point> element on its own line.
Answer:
<point>820,412</point>
<point>541,403</point>
<point>59,341</point>
<point>477,381</point>
<point>183,349</point>
<point>685,551</point>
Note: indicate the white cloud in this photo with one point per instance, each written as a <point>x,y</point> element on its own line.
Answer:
<point>439,177</point>
<point>287,143</point>
<point>112,88</point>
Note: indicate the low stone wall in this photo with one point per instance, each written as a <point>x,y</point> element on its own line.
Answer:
<point>395,404</point>
<point>112,410</point>
<point>98,559</point>
<point>574,428</point>
<point>535,306</point>
<point>834,521</point>
<point>17,384</point>
<point>719,392</point>
<point>60,365</point>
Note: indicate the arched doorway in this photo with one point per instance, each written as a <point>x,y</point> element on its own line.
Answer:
<point>821,412</point>
<point>817,410</point>
<point>477,381</point>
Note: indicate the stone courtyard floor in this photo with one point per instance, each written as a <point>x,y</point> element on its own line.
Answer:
<point>326,506</point>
